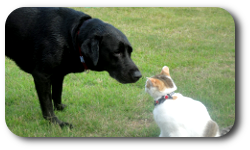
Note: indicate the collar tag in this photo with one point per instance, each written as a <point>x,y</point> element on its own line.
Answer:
<point>82,60</point>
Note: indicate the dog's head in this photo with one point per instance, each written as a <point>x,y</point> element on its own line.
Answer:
<point>105,48</point>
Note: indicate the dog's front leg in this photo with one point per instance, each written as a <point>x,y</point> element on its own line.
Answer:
<point>57,83</point>
<point>43,88</point>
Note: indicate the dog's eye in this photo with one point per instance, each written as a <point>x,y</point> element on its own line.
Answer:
<point>117,54</point>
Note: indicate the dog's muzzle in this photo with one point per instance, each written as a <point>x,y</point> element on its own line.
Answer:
<point>136,75</point>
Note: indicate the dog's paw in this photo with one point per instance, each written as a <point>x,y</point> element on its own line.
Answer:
<point>59,107</point>
<point>66,124</point>
<point>62,124</point>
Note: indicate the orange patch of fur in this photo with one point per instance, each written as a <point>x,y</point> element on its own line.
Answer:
<point>174,97</point>
<point>157,83</point>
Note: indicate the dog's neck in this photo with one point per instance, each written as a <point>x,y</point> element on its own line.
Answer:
<point>79,47</point>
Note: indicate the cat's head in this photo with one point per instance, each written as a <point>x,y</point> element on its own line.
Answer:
<point>161,84</point>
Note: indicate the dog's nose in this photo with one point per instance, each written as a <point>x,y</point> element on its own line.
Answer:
<point>136,75</point>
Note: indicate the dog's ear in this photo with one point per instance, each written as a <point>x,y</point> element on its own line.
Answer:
<point>90,49</point>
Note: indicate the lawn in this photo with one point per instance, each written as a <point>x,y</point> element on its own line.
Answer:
<point>198,45</point>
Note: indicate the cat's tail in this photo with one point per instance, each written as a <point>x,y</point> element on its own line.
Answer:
<point>224,131</point>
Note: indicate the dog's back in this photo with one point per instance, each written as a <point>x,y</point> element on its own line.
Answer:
<point>18,37</point>
<point>32,31</point>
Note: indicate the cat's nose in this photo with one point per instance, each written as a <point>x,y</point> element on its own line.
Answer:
<point>136,75</point>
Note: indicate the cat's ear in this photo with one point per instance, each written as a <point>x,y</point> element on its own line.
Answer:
<point>165,71</point>
<point>152,82</point>
<point>149,83</point>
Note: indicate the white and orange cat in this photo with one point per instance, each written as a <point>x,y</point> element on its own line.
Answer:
<point>175,114</point>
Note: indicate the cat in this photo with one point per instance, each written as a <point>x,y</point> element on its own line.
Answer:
<point>177,115</point>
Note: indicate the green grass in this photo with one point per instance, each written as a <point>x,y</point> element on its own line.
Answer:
<point>198,44</point>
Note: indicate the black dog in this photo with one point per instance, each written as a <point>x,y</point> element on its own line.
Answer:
<point>49,43</point>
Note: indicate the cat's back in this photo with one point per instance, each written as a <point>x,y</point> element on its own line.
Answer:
<point>184,112</point>
<point>183,106</point>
